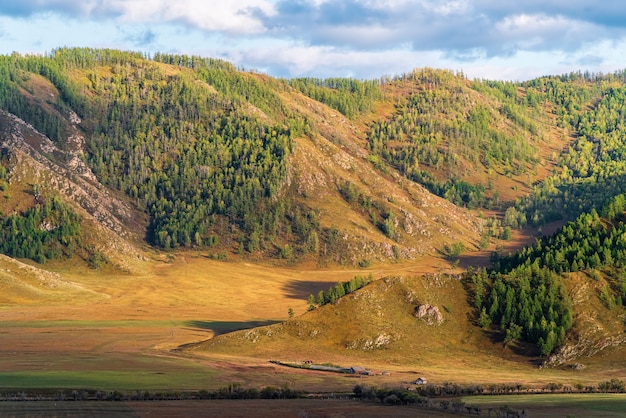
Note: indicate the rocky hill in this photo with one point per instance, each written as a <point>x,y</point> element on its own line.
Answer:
<point>36,169</point>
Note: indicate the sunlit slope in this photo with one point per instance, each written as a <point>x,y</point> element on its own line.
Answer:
<point>426,324</point>
<point>378,324</point>
<point>23,284</point>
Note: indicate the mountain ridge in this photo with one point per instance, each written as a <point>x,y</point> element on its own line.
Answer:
<point>229,227</point>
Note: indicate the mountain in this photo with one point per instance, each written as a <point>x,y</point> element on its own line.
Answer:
<point>184,152</point>
<point>114,159</point>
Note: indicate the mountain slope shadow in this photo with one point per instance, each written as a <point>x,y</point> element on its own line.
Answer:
<point>297,289</point>
<point>224,327</point>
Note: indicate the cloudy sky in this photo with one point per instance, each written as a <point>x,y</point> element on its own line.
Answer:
<point>496,39</point>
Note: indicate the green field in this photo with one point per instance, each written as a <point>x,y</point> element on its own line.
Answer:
<point>553,405</point>
<point>104,371</point>
<point>186,378</point>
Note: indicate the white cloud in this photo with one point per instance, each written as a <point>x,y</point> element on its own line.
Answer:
<point>298,60</point>
<point>524,25</point>
<point>543,32</point>
<point>447,8</point>
<point>363,38</point>
<point>241,16</point>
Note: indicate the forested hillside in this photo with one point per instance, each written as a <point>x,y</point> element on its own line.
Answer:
<point>241,162</point>
<point>524,294</point>
<point>207,152</point>
<point>184,152</point>
<point>457,137</point>
<point>592,169</point>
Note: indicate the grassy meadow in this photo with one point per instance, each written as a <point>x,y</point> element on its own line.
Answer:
<point>120,336</point>
<point>116,330</point>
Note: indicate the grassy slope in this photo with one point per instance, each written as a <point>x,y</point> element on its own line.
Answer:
<point>131,322</point>
<point>597,336</point>
<point>455,351</point>
<point>321,163</point>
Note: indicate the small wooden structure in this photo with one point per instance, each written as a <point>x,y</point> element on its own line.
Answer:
<point>359,370</point>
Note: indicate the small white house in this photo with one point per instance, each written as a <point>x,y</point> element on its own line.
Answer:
<point>420,381</point>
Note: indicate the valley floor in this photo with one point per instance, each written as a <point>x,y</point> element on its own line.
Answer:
<point>118,333</point>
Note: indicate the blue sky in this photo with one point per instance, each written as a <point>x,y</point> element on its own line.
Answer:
<point>505,39</point>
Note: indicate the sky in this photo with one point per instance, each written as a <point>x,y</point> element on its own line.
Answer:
<point>494,39</point>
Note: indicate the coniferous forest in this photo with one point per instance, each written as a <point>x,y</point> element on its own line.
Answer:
<point>184,147</point>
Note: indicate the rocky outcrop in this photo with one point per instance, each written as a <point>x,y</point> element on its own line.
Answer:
<point>429,314</point>
<point>110,224</point>
<point>584,347</point>
<point>37,160</point>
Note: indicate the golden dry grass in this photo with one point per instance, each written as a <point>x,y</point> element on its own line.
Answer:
<point>455,351</point>
<point>128,324</point>
<point>107,321</point>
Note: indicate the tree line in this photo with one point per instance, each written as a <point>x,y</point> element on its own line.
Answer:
<point>46,231</point>
<point>348,96</point>
<point>523,294</point>
<point>339,290</point>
